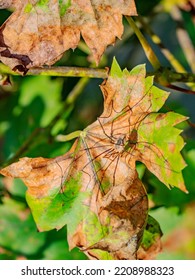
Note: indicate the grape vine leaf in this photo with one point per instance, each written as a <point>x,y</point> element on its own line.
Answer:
<point>94,188</point>
<point>39,32</point>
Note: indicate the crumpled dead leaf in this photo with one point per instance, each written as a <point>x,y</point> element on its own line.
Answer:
<point>127,207</point>
<point>94,188</point>
<point>39,32</point>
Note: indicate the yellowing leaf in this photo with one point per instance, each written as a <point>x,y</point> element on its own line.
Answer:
<point>94,188</point>
<point>39,32</point>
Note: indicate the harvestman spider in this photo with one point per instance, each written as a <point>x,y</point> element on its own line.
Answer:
<point>119,144</point>
<point>125,144</point>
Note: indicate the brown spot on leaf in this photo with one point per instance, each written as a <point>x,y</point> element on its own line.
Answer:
<point>172,147</point>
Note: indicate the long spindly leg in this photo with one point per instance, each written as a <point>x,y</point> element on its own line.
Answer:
<point>104,159</point>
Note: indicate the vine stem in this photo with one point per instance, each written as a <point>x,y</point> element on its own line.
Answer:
<point>156,39</point>
<point>146,46</point>
<point>68,137</point>
<point>169,76</point>
<point>59,71</point>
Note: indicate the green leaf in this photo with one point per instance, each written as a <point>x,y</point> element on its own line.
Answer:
<point>115,69</point>
<point>163,196</point>
<point>17,229</point>
<point>160,143</point>
<point>47,91</point>
<point>58,209</point>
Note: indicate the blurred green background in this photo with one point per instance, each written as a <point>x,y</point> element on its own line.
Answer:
<point>32,114</point>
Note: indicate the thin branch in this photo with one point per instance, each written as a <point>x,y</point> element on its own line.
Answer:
<point>184,90</point>
<point>157,40</point>
<point>191,124</point>
<point>68,137</point>
<point>166,74</point>
<point>59,72</point>
<point>150,54</point>
<point>184,38</point>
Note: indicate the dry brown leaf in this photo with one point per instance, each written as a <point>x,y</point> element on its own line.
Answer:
<point>127,207</point>
<point>39,32</point>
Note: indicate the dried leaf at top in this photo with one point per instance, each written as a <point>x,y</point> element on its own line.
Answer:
<point>39,32</point>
